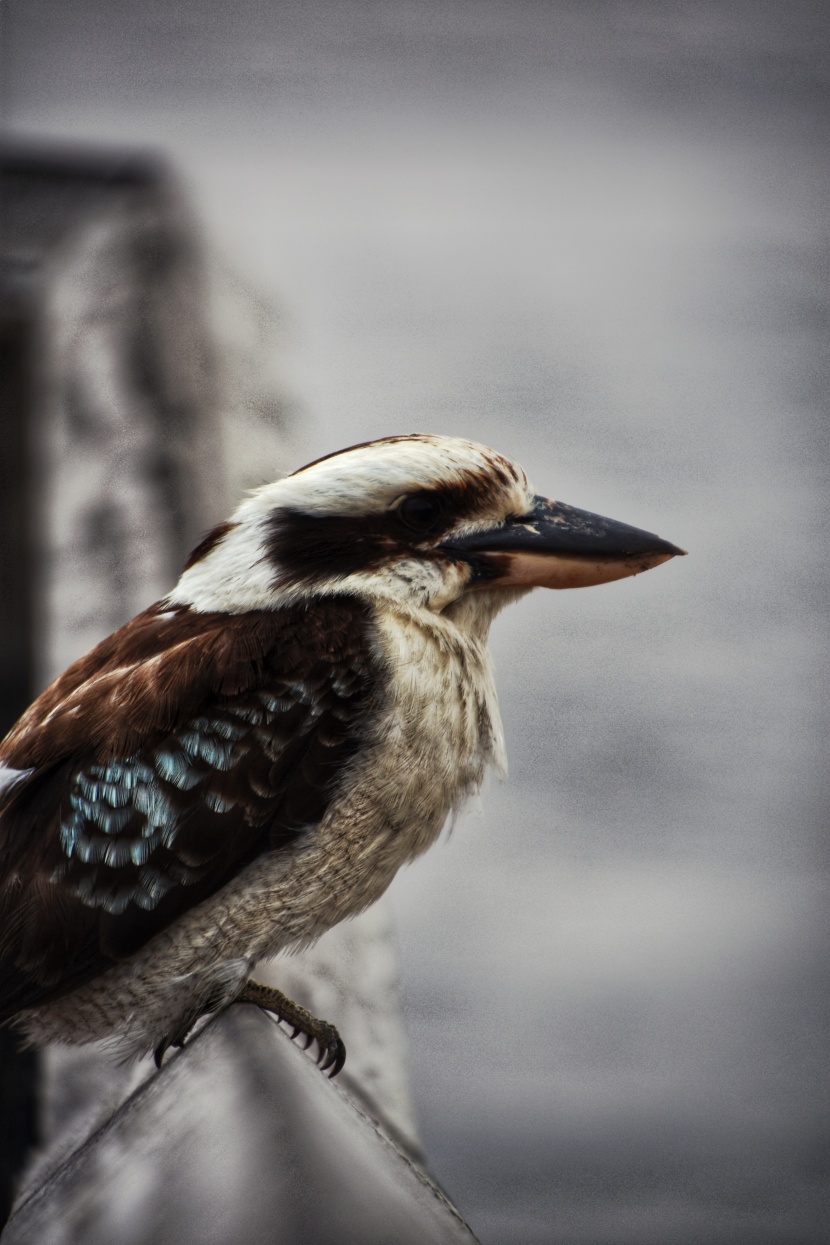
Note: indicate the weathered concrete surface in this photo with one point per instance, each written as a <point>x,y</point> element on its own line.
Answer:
<point>239,1140</point>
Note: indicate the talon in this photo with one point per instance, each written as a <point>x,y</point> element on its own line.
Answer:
<point>332,1052</point>
<point>178,1036</point>
<point>339,1059</point>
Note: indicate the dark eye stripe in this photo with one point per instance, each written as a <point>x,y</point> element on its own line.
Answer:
<point>310,549</point>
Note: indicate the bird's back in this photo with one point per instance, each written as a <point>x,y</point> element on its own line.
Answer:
<point>157,768</point>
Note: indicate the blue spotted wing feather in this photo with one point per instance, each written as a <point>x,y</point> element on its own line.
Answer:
<point>158,767</point>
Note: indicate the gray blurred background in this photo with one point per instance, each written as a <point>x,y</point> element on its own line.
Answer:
<point>592,235</point>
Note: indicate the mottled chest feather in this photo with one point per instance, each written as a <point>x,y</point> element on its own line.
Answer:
<point>441,729</point>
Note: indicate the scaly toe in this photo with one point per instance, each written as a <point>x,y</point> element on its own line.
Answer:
<point>332,1052</point>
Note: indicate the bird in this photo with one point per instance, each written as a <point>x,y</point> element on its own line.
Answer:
<point>250,760</point>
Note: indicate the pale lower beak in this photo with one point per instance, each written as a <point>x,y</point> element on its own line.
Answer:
<point>558,546</point>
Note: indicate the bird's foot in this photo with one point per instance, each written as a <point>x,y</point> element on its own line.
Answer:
<point>332,1051</point>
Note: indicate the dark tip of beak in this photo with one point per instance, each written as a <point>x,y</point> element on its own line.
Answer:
<point>658,545</point>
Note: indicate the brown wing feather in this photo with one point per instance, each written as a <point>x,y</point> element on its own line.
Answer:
<point>163,762</point>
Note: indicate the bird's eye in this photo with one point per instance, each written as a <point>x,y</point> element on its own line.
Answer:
<point>421,512</point>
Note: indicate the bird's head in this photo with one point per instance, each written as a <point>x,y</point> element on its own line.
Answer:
<point>430,522</point>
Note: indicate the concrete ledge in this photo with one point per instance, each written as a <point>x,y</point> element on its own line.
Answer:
<point>238,1139</point>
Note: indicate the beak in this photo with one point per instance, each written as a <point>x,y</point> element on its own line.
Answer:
<point>557,546</point>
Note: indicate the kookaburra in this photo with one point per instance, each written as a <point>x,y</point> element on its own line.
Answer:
<point>253,758</point>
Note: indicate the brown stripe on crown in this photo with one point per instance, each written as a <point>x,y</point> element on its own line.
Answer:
<point>500,467</point>
<point>209,542</point>
<point>361,445</point>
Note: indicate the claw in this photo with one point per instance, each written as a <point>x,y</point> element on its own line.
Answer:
<point>332,1053</point>
<point>177,1038</point>
<point>339,1059</point>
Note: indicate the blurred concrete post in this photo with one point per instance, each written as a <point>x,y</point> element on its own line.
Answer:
<point>139,436</point>
<point>19,1069</point>
<point>105,384</point>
